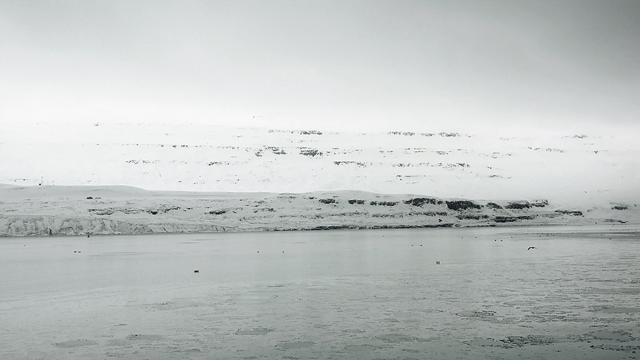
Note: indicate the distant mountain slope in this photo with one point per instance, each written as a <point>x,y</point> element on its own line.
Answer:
<point>69,210</point>
<point>571,168</point>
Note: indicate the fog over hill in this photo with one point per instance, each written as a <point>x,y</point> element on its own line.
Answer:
<point>571,168</point>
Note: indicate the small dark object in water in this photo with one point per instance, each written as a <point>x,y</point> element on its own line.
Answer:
<point>258,252</point>
<point>531,247</point>
<point>283,251</point>
<point>437,262</point>
<point>196,271</point>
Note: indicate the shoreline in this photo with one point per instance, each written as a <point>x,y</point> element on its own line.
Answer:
<point>610,229</point>
<point>106,210</point>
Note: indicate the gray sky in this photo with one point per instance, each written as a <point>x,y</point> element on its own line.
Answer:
<point>346,64</point>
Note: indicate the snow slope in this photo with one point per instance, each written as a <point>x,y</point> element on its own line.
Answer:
<point>569,168</point>
<point>79,210</point>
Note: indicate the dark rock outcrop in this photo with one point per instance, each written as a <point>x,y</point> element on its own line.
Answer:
<point>518,205</point>
<point>327,201</point>
<point>472,217</point>
<point>540,203</point>
<point>421,201</point>
<point>462,205</point>
<point>383,203</point>
<point>570,212</point>
<point>505,219</point>
<point>492,205</point>
<point>310,152</point>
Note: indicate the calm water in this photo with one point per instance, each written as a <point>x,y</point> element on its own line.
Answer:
<point>335,294</point>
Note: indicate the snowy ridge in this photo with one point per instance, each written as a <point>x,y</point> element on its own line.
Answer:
<point>80,210</point>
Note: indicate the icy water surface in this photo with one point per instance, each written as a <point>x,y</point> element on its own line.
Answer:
<point>324,295</point>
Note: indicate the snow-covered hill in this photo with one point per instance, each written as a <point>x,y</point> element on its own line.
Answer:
<point>571,168</point>
<point>79,210</point>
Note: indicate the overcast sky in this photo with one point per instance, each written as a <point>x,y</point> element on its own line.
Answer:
<point>342,64</point>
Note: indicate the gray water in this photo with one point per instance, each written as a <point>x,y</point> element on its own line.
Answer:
<point>324,295</point>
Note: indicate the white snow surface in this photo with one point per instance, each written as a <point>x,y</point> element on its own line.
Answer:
<point>571,168</point>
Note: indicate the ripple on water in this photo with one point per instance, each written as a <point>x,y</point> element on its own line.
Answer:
<point>477,314</point>
<point>395,338</point>
<point>486,315</point>
<point>254,331</point>
<point>75,343</point>
<point>614,309</point>
<point>613,347</point>
<point>291,345</point>
<point>515,341</point>
<point>613,291</point>
<point>144,337</point>
<point>354,348</point>
<point>615,335</point>
<point>550,316</point>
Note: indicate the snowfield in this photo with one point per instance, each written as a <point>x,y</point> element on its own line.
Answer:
<point>568,167</point>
